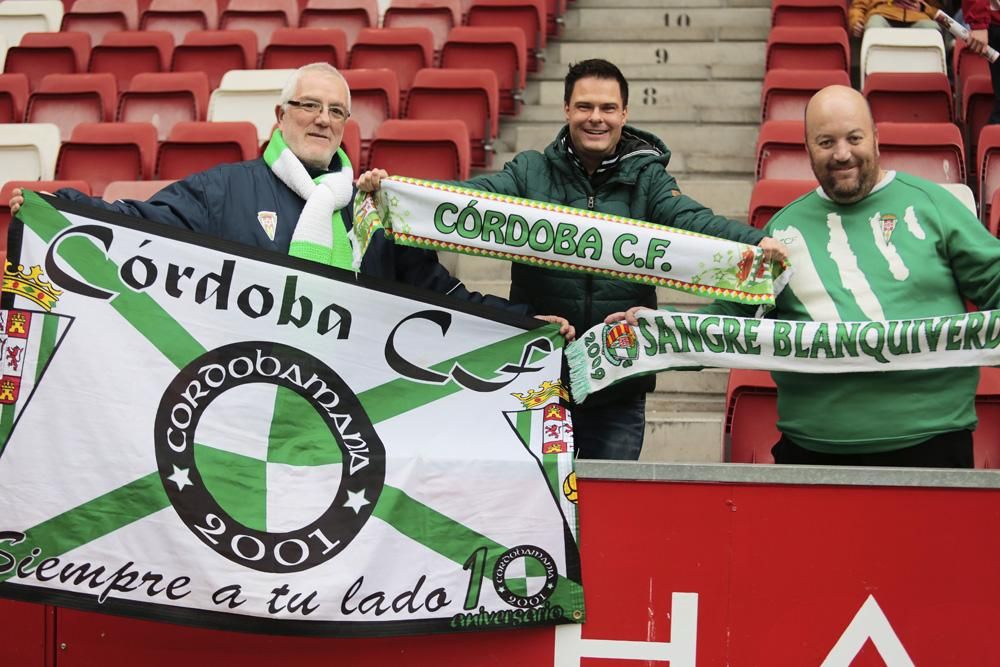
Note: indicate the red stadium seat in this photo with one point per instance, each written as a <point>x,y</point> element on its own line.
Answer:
<point>126,54</point>
<point>986,438</point>
<point>807,48</point>
<point>403,50</point>
<point>97,17</point>
<point>291,48</point>
<point>6,191</point>
<point>440,16</point>
<point>966,64</point>
<point>751,417</point>
<point>374,100</point>
<point>103,152</point>
<point>786,91</point>
<point>429,149</point>
<point>988,162</point>
<point>930,150</point>
<point>196,146</point>
<point>528,15</point>
<point>351,16</point>
<point>13,96</point>
<point>469,95</point>
<point>992,213</point>
<point>138,190</point>
<point>809,13</point>
<point>262,17</point>
<point>41,53</point>
<point>781,151</point>
<point>771,195</point>
<point>499,49</point>
<point>554,11</point>
<point>69,99</point>
<point>977,105</point>
<point>351,143</point>
<point>752,413</point>
<point>179,17</point>
<point>909,97</point>
<point>215,52</point>
<point>164,99</point>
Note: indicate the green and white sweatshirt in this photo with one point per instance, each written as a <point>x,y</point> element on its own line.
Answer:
<point>909,249</point>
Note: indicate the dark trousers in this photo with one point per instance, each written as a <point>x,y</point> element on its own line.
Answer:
<point>948,450</point>
<point>610,431</point>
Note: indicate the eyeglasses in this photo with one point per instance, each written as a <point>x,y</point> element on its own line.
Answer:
<point>337,112</point>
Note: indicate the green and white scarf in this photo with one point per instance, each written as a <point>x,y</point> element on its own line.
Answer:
<point>439,216</point>
<point>607,354</point>
<point>320,234</point>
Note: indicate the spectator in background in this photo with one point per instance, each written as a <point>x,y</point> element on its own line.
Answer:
<point>866,14</point>
<point>984,24</point>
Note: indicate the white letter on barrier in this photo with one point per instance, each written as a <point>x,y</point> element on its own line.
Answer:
<point>869,622</point>
<point>680,650</point>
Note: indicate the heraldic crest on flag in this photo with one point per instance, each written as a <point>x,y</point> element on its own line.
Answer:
<point>234,439</point>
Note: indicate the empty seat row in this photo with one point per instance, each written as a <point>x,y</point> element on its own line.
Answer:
<point>809,13</point>
<point>930,150</point>
<point>115,190</point>
<point>921,97</point>
<point>751,415</point>
<point>100,153</point>
<point>535,18</point>
<point>165,99</point>
<point>794,77</point>
<point>882,50</point>
<point>934,151</point>
<point>403,50</point>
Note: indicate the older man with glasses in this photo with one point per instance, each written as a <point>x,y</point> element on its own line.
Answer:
<point>285,200</point>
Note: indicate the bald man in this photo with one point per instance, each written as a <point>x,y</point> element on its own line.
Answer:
<point>870,244</point>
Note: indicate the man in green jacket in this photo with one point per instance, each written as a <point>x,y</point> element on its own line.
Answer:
<point>598,163</point>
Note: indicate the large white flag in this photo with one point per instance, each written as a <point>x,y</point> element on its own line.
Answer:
<point>235,439</point>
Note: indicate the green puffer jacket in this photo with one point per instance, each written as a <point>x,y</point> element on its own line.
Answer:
<point>638,187</point>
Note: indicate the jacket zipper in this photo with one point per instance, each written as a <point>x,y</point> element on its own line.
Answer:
<point>588,300</point>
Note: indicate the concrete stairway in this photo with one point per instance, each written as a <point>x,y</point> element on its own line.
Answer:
<point>694,69</point>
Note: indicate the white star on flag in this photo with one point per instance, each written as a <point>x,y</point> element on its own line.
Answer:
<point>180,478</point>
<point>356,500</point>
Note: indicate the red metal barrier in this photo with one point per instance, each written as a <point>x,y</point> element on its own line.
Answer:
<point>26,634</point>
<point>707,565</point>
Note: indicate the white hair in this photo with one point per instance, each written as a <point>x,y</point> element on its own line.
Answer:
<point>293,81</point>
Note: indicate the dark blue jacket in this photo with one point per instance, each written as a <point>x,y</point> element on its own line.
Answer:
<point>225,201</point>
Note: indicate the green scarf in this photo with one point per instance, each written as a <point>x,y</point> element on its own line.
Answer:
<point>320,234</point>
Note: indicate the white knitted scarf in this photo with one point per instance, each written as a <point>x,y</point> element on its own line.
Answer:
<point>320,234</point>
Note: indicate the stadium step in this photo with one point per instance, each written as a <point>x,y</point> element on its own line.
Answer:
<point>652,93</point>
<point>683,437</point>
<point>720,139</point>
<point>708,381</point>
<point>653,37</point>
<point>685,167</point>
<point>685,402</point>
<point>641,114</point>
<point>670,22</point>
